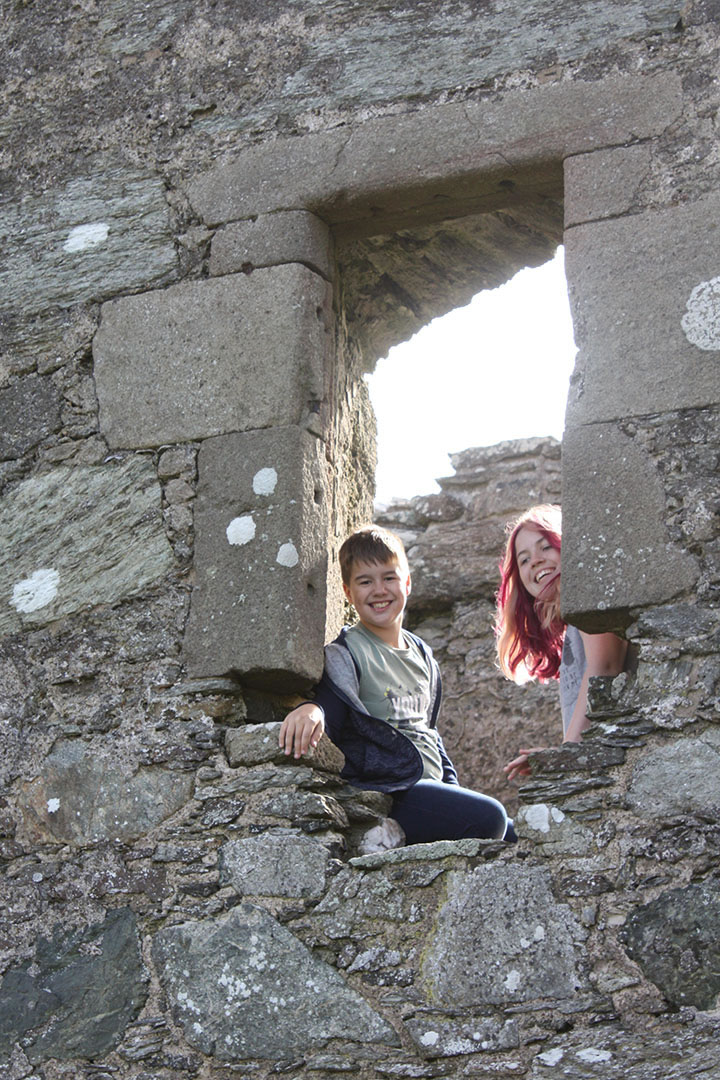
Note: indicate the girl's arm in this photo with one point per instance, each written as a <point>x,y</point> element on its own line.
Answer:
<point>519,766</point>
<point>604,655</point>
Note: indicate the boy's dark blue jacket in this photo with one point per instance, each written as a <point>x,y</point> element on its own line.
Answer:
<point>377,755</point>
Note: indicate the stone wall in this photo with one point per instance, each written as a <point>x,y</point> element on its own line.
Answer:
<point>215,217</point>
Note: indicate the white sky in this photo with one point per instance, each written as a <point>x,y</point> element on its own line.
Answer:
<point>496,369</point>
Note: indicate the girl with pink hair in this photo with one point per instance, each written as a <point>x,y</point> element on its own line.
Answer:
<point>533,641</point>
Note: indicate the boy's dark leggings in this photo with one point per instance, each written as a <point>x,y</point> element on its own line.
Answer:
<point>431,810</point>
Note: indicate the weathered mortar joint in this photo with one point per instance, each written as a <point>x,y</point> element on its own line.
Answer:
<point>177,471</point>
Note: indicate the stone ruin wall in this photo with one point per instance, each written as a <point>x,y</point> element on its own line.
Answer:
<point>216,217</point>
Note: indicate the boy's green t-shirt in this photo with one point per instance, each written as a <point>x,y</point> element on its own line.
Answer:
<point>395,686</point>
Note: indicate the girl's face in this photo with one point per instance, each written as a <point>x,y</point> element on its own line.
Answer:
<point>538,561</point>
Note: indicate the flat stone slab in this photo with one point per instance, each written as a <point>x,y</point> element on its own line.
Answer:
<point>437,1037</point>
<point>258,605</point>
<point>620,554</point>
<point>257,744</point>
<point>680,777</point>
<point>611,1051</point>
<point>243,986</point>
<point>275,864</point>
<point>382,55</point>
<point>89,793</point>
<point>437,160</point>
<point>645,297</point>
<point>418,853</point>
<point>77,537</point>
<point>79,994</point>
<point>87,240</point>
<point>501,938</point>
<point>675,939</point>
<point>208,357</point>
<point>271,240</point>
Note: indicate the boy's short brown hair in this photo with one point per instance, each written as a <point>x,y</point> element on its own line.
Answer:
<point>370,544</point>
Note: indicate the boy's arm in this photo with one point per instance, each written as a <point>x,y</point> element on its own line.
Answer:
<point>302,728</point>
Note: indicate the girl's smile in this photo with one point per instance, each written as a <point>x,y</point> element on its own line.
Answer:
<point>538,561</point>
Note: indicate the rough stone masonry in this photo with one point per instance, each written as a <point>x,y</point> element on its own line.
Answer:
<point>215,218</point>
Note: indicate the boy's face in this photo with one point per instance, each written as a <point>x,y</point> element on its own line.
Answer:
<point>379,592</point>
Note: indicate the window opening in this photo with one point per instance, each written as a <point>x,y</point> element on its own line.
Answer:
<point>493,370</point>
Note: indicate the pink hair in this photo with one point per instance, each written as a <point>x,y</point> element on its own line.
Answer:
<point>529,632</point>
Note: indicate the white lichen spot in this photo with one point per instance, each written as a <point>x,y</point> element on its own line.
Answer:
<point>235,987</point>
<point>430,1038</point>
<point>83,237</point>
<point>538,817</point>
<point>265,481</point>
<point>241,530</point>
<point>701,321</point>
<point>512,980</point>
<point>557,815</point>
<point>551,1057</point>
<point>186,1001</point>
<point>591,1054</point>
<point>37,591</point>
<point>53,805</point>
<point>539,934</point>
<point>287,555</point>
<point>258,961</point>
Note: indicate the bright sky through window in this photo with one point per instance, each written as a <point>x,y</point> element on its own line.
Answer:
<point>494,370</point>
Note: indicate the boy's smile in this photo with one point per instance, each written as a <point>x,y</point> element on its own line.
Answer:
<point>378,592</point>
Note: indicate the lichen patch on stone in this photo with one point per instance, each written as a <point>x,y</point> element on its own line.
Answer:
<point>701,321</point>
<point>287,555</point>
<point>265,481</point>
<point>83,237</point>
<point>241,530</point>
<point>37,591</point>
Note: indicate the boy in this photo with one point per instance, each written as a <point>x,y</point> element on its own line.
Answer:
<point>379,699</point>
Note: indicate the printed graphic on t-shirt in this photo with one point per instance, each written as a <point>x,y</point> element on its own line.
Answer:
<point>404,707</point>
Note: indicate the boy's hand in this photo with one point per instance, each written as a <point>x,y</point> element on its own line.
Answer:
<point>519,766</point>
<point>301,729</point>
